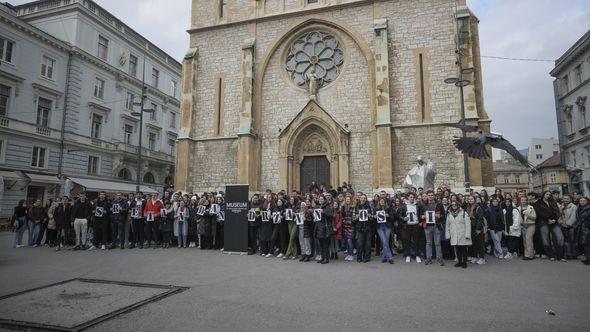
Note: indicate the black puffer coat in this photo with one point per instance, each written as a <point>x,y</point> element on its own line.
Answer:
<point>323,228</point>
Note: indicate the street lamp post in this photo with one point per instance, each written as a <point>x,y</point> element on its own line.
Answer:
<point>460,82</point>
<point>140,115</point>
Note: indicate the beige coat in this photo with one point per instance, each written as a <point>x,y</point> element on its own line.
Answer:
<point>529,216</point>
<point>458,228</point>
<point>51,223</point>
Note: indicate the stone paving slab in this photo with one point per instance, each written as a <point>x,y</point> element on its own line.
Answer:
<point>76,304</point>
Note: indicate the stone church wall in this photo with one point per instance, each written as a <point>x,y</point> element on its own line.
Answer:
<point>413,26</point>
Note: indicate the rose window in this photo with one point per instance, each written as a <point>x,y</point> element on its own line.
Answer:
<point>314,52</point>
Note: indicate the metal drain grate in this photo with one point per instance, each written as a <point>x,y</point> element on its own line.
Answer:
<point>77,304</point>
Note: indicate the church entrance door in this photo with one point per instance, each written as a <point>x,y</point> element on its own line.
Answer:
<point>316,168</point>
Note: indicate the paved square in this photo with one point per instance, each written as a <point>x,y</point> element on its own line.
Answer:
<point>252,293</point>
<point>76,304</point>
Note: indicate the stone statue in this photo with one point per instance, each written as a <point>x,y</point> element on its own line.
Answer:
<point>421,175</point>
<point>313,85</point>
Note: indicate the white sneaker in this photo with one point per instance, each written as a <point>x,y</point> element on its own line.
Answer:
<point>280,255</point>
<point>19,246</point>
<point>481,261</point>
<point>35,246</point>
<point>103,247</point>
<point>456,259</point>
<point>508,256</point>
<point>544,256</point>
<point>318,258</point>
<point>92,248</point>
<point>418,260</point>
<point>268,256</point>
<point>408,259</point>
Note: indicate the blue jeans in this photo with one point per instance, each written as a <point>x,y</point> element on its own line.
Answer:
<point>349,247</point>
<point>334,245</point>
<point>553,245</point>
<point>497,239</point>
<point>433,232</point>
<point>570,242</point>
<point>181,235</point>
<point>17,237</point>
<point>33,232</point>
<point>384,233</point>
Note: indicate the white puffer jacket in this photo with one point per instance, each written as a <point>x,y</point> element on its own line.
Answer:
<point>514,230</point>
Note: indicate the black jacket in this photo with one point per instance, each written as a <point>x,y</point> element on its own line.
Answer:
<point>545,212</point>
<point>62,216</point>
<point>81,210</point>
<point>363,226</point>
<point>323,228</point>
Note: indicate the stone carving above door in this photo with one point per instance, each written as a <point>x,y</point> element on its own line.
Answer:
<point>314,145</point>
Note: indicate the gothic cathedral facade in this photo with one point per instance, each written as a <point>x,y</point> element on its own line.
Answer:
<point>279,93</point>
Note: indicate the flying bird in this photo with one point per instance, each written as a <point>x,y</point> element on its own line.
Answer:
<point>475,147</point>
<point>464,127</point>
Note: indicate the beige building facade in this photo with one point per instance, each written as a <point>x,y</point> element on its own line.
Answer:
<point>280,93</point>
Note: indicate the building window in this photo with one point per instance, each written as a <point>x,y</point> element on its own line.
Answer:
<point>539,156</point>
<point>222,8</point>
<point>2,154</point>
<point>128,133</point>
<point>155,77</point>
<point>4,99</point>
<point>47,66</point>
<point>173,88</point>
<point>570,123</point>
<point>149,178</point>
<point>574,161</point>
<point>132,65</point>
<point>96,125</point>
<point>553,178</point>
<point>153,114</point>
<point>537,147</point>
<point>43,111</point>
<point>172,120</point>
<point>566,84</point>
<point>92,165</point>
<point>6,50</point>
<point>99,88</point>
<point>152,141</point>
<point>312,1</point>
<point>38,157</point>
<point>587,155</point>
<point>171,145</point>
<point>506,180</point>
<point>103,47</point>
<point>518,179</point>
<point>578,74</point>
<point>129,101</point>
<point>219,96</point>
<point>124,174</point>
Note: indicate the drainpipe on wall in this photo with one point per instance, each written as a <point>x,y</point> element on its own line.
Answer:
<point>63,128</point>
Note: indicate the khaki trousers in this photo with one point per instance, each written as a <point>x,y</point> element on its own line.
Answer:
<point>529,248</point>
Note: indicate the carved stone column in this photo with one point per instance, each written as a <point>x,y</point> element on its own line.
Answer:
<point>248,142</point>
<point>186,145</point>
<point>383,147</point>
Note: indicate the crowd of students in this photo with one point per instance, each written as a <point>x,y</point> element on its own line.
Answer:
<point>422,225</point>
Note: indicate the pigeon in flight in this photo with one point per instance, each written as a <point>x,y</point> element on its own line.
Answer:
<point>475,147</point>
<point>464,127</point>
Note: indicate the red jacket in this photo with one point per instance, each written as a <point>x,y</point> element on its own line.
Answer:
<point>154,207</point>
<point>337,226</point>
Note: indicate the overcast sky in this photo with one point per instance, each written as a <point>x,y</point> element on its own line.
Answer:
<point>518,95</point>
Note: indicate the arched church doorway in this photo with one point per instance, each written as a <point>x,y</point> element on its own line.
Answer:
<point>314,169</point>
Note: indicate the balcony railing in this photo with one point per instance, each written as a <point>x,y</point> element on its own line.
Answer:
<point>44,131</point>
<point>15,125</point>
